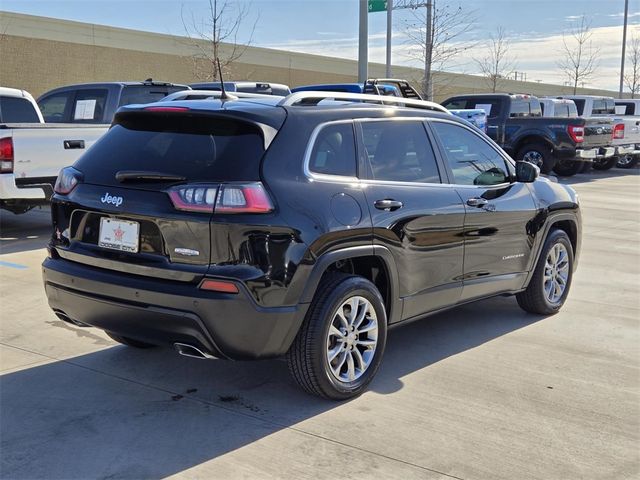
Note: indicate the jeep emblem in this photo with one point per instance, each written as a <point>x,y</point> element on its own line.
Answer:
<point>117,201</point>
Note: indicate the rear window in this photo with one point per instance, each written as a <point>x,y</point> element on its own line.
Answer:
<point>603,107</point>
<point>490,106</point>
<point>519,108</point>
<point>625,108</point>
<point>200,149</point>
<point>133,94</point>
<point>17,110</point>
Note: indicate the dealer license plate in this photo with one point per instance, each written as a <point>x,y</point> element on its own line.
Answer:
<point>119,234</point>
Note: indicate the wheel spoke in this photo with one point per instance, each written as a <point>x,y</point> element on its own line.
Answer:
<point>351,369</point>
<point>367,343</point>
<point>361,316</point>
<point>335,352</point>
<point>353,303</point>
<point>369,327</point>
<point>361,365</point>
<point>341,317</point>
<point>335,332</point>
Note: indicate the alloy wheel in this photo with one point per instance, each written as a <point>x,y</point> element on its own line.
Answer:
<point>352,339</point>
<point>556,273</point>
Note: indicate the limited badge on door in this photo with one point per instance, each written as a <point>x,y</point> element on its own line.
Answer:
<point>119,234</point>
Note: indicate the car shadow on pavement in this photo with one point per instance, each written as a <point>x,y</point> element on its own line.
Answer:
<point>25,232</point>
<point>126,413</point>
<point>594,175</point>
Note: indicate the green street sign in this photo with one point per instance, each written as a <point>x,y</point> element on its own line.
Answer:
<point>377,6</point>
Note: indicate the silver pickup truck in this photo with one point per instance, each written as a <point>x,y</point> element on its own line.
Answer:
<point>33,152</point>
<point>626,130</point>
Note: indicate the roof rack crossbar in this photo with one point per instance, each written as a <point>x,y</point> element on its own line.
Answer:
<point>299,98</point>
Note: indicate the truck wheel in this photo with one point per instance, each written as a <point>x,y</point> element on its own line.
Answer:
<point>551,280</point>
<point>539,154</point>
<point>605,163</point>
<point>567,167</point>
<point>129,342</point>
<point>340,344</point>
<point>627,161</point>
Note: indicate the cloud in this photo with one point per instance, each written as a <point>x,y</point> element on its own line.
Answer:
<point>536,54</point>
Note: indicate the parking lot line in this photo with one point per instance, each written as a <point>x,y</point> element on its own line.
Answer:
<point>12,265</point>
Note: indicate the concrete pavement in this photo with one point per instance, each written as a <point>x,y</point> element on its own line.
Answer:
<point>483,391</point>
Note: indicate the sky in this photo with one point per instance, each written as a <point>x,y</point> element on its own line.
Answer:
<point>534,28</point>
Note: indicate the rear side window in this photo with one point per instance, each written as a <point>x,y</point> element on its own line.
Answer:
<point>133,94</point>
<point>56,108</point>
<point>17,110</point>
<point>89,106</point>
<point>334,151</point>
<point>579,105</point>
<point>202,149</point>
<point>400,151</point>
<point>472,160</point>
<point>573,111</point>
<point>519,108</point>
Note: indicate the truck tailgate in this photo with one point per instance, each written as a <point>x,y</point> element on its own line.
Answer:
<point>597,132</point>
<point>41,150</point>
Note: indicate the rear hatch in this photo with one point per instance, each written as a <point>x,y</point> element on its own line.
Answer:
<point>597,132</point>
<point>145,200</point>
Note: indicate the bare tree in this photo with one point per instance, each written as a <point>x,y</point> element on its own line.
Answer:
<point>580,56</point>
<point>632,79</point>
<point>215,37</point>
<point>435,47</point>
<point>497,65</point>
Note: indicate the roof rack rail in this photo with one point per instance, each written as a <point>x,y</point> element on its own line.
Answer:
<point>305,98</point>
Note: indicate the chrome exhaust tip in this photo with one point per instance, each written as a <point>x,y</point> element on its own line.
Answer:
<point>191,351</point>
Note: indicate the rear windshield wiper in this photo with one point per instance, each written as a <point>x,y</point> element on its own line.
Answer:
<point>144,176</point>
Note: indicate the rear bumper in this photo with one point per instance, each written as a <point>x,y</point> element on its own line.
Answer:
<point>589,154</point>
<point>165,312</point>
<point>9,190</point>
<point>627,150</point>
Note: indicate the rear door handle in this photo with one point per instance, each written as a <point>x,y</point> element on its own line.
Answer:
<point>69,144</point>
<point>477,202</point>
<point>388,204</point>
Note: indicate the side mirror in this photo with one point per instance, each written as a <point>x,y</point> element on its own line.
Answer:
<point>526,172</point>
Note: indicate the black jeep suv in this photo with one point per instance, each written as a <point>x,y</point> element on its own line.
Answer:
<point>251,228</point>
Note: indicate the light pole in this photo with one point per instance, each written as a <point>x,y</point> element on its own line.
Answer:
<point>389,10</point>
<point>624,44</point>
<point>362,43</point>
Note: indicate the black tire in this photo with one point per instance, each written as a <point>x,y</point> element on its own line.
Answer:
<point>568,167</point>
<point>308,357</point>
<point>627,161</point>
<point>586,167</point>
<point>605,163</point>
<point>129,342</point>
<point>534,298</point>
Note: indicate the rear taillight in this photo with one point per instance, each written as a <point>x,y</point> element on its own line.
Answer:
<point>6,155</point>
<point>67,180</point>
<point>226,198</point>
<point>618,131</point>
<point>576,133</point>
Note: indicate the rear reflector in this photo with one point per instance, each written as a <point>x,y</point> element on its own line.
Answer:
<point>218,286</point>
<point>618,131</point>
<point>166,109</point>
<point>6,155</point>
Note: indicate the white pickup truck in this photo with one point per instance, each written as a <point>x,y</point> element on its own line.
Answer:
<point>33,152</point>
<point>629,108</point>
<point>626,130</point>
